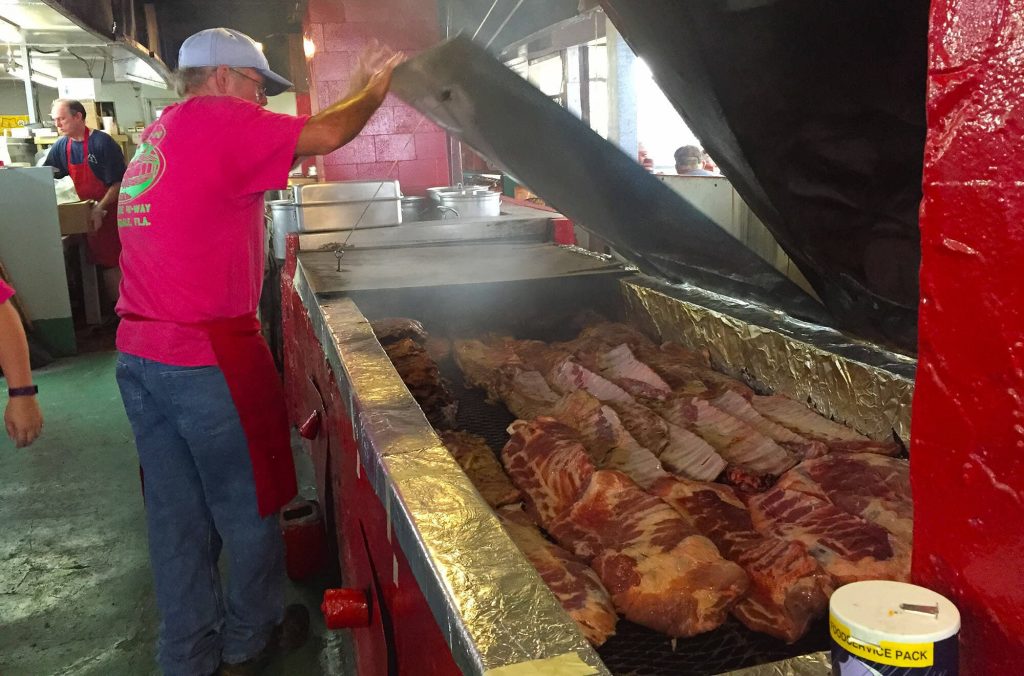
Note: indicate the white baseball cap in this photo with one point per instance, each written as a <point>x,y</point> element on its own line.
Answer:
<point>227,47</point>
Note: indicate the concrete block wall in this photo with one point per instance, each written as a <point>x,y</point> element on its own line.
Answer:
<point>398,142</point>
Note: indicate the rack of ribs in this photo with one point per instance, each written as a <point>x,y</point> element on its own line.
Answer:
<point>736,441</point>
<point>873,487</point>
<point>788,588</point>
<point>609,444</point>
<point>574,584</point>
<point>740,408</point>
<point>849,548</point>
<point>548,462</point>
<point>677,366</point>
<point>620,366</point>
<point>659,571</point>
<point>802,420</point>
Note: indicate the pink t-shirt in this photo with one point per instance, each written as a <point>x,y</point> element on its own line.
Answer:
<point>190,217</point>
<point>5,292</point>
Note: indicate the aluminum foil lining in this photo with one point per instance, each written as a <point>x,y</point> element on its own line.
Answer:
<point>815,664</point>
<point>487,598</point>
<point>850,381</point>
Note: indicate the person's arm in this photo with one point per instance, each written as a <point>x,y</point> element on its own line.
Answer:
<point>53,159</point>
<point>110,170</point>
<point>23,418</point>
<point>332,128</point>
<point>108,202</point>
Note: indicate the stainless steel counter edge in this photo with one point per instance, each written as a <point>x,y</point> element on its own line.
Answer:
<point>488,600</point>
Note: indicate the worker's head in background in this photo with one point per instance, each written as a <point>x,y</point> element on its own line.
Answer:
<point>688,158</point>
<point>69,117</point>
<point>224,62</point>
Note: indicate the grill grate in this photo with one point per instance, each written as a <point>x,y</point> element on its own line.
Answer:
<point>636,650</point>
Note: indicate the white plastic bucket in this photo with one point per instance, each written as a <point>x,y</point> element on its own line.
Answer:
<point>886,628</point>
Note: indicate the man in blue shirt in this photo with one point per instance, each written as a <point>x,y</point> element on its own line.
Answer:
<point>95,163</point>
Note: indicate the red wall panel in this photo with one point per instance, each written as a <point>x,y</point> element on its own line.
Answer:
<point>404,145</point>
<point>968,429</point>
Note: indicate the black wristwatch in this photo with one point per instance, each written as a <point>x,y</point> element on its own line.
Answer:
<point>28,391</point>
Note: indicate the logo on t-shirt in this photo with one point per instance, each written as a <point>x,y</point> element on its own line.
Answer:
<point>144,172</point>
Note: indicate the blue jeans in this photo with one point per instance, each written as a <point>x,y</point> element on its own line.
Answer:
<point>199,493</point>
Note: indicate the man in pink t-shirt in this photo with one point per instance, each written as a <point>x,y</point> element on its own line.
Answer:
<point>196,378</point>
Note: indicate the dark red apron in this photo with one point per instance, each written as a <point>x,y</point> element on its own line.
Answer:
<point>104,244</point>
<point>245,360</point>
<point>248,367</point>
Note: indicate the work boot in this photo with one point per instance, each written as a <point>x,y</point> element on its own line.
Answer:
<point>290,635</point>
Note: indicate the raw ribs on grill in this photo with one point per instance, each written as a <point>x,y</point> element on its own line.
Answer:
<point>799,418</point>
<point>738,407</point>
<point>659,571</point>
<point>788,588</point>
<point>848,547</point>
<point>643,409</point>
<point>873,487</point>
<point>685,373</point>
<point>736,441</point>
<point>607,442</point>
<point>574,584</point>
<point>678,450</point>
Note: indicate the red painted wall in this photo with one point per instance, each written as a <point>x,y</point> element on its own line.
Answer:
<point>397,142</point>
<point>968,425</point>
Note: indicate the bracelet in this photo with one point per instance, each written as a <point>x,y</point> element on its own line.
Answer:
<point>28,391</point>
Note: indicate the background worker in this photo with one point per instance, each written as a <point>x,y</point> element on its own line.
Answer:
<point>197,379</point>
<point>96,165</point>
<point>689,162</point>
<point>22,417</point>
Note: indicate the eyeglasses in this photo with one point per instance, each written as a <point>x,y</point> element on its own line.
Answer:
<point>261,89</point>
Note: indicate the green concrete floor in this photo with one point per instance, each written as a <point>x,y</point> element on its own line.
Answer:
<point>75,590</point>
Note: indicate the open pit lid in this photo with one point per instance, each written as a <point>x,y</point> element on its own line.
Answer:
<point>816,118</point>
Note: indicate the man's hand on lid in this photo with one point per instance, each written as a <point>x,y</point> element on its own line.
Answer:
<point>373,69</point>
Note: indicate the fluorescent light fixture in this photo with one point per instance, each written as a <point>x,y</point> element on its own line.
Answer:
<point>140,79</point>
<point>45,80</point>
<point>134,69</point>
<point>37,77</point>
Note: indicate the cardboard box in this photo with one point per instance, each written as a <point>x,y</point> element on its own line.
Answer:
<point>75,217</point>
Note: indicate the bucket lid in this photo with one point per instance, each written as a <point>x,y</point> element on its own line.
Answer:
<point>882,610</point>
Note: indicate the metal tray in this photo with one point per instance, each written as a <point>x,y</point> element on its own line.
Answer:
<point>347,191</point>
<point>320,216</point>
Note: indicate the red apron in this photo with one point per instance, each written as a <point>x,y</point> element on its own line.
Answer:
<point>104,244</point>
<point>248,367</point>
